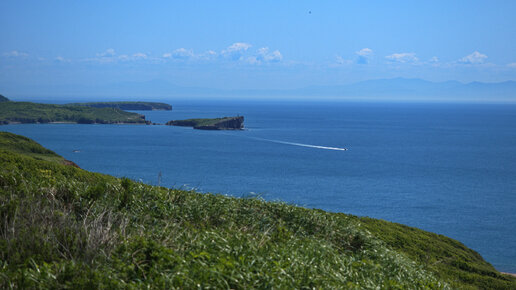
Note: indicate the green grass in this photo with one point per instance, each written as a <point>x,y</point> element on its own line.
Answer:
<point>23,145</point>
<point>127,105</point>
<point>63,227</point>
<point>26,112</point>
<point>447,258</point>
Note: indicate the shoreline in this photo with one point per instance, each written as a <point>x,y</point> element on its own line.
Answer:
<point>510,274</point>
<point>65,122</point>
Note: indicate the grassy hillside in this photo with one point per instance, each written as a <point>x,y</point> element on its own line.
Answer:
<point>3,99</point>
<point>23,145</point>
<point>137,106</point>
<point>63,227</point>
<point>448,259</point>
<point>26,112</point>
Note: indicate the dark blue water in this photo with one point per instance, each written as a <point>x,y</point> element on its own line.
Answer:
<point>446,168</point>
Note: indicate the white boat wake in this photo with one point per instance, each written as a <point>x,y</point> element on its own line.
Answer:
<point>300,144</point>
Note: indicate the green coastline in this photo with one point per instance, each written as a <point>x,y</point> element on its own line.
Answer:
<point>131,106</point>
<point>27,112</point>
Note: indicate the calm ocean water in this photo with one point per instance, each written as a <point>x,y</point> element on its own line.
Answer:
<point>445,168</point>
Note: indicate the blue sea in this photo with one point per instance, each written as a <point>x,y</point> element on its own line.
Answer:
<point>445,168</point>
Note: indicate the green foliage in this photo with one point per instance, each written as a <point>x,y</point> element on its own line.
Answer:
<point>448,258</point>
<point>20,144</point>
<point>26,112</point>
<point>137,106</point>
<point>63,227</point>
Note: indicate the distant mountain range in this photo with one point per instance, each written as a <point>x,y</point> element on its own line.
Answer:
<point>379,89</point>
<point>402,88</point>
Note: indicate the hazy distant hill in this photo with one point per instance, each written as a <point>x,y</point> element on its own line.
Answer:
<point>380,89</point>
<point>397,88</point>
<point>417,89</point>
<point>3,99</point>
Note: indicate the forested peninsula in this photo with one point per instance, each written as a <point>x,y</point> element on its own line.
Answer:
<point>27,112</point>
<point>131,106</point>
<point>102,113</point>
<point>64,227</point>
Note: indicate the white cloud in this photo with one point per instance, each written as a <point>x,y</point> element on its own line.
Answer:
<point>139,55</point>
<point>512,65</point>
<point>364,55</point>
<point>404,57</point>
<point>263,55</point>
<point>210,52</point>
<point>340,60</point>
<point>61,59</point>
<point>108,53</point>
<point>15,53</point>
<point>434,59</point>
<point>474,58</point>
<point>110,56</point>
<point>239,51</point>
<point>124,57</point>
<point>266,56</point>
<point>188,54</point>
<point>365,52</point>
<point>238,46</point>
<point>236,50</point>
<point>208,55</point>
<point>181,53</point>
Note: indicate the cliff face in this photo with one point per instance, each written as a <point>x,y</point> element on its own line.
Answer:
<point>233,123</point>
<point>182,123</point>
<point>226,123</point>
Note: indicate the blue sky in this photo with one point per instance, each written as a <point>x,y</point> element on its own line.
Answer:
<point>258,44</point>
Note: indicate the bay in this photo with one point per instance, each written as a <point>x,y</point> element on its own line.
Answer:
<point>445,168</point>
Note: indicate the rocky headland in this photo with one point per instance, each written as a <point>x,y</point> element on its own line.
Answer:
<point>225,123</point>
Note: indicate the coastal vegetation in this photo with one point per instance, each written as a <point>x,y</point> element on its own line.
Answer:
<point>3,99</point>
<point>225,123</point>
<point>27,112</point>
<point>64,227</point>
<point>135,106</point>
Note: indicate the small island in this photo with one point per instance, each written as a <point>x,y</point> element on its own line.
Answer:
<point>131,106</point>
<point>225,123</point>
